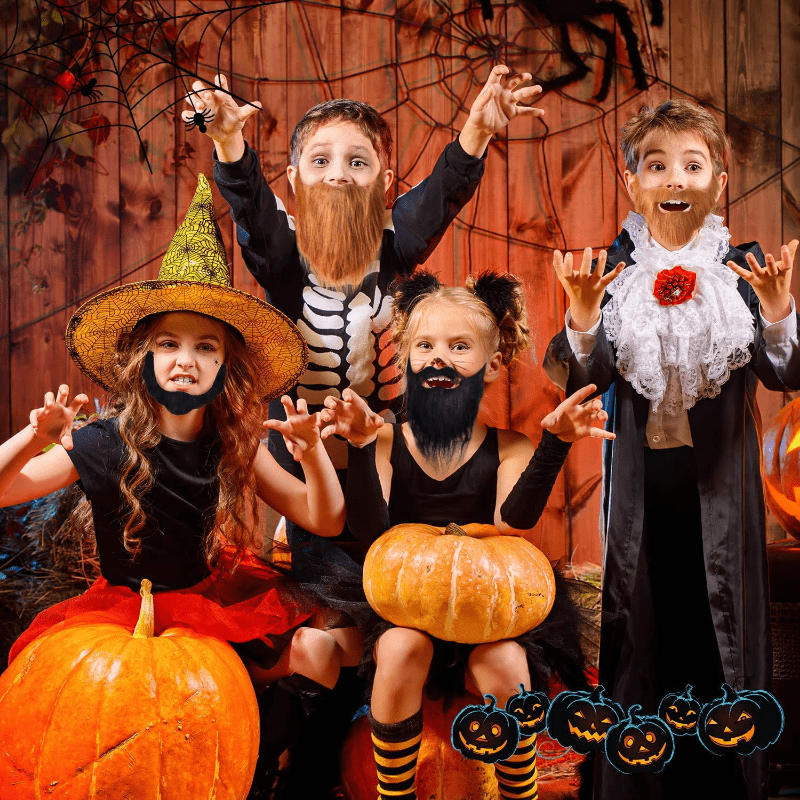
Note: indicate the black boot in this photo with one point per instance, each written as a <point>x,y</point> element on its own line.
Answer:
<point>282,709</point>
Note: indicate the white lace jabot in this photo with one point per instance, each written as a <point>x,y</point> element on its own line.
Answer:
<point>675,355</point>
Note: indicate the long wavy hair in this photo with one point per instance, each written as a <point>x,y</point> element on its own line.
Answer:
<point>231,425</point>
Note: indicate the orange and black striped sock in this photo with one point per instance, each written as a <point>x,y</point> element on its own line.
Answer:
<point>516,777</point>
<point>396,746</point>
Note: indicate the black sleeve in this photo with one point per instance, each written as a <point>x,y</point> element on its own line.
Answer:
<point>367,512</point>
<point>422,215</point>
<point>263,229</point>
<point>96,453</point>
<point>526,501</point>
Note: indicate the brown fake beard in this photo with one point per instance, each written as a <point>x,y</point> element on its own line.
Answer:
<point>339,229</point>
<point>674,229</point>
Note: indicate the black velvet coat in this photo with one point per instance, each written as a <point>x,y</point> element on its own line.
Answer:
<point>725,435</point>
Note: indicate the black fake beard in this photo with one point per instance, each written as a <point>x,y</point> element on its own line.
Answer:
<point>180,403</point>
<point>442,419</point>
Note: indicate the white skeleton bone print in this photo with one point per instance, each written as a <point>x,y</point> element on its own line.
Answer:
<point>348,342</point>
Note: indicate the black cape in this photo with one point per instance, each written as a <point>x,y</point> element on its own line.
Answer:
<point>725,435</point>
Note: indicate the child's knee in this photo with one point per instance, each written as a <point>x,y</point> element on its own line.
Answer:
<point>404,648</point>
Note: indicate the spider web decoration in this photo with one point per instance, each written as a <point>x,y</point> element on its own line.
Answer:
<point>71,63</point>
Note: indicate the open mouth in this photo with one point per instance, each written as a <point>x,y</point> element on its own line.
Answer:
<point>674,205</point>
<point>183,380</point>
<point>439,382</point>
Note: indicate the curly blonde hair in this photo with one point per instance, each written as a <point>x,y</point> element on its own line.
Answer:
<point>495,302</point>
<point>232,422</point>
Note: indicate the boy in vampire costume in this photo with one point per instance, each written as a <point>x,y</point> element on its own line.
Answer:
<point>678,339</point>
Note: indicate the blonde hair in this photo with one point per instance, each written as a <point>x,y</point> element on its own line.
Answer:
<point>504,323</point>
<point>232,421</point>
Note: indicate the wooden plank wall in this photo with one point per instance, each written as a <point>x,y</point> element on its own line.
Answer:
<point>551,183</point>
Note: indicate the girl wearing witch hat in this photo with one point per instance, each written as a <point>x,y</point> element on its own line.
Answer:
<point>173,474</point>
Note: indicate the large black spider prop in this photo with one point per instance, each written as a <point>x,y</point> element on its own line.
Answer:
<point>563,13</point>
<point>200,119</point>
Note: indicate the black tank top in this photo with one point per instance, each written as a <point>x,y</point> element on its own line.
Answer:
<point>468,495</point>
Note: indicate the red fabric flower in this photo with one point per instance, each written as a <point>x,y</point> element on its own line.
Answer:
<point>674,286</point>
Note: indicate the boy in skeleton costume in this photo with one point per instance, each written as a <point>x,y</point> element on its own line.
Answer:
<point>330,268</point>
<point>678,339</point>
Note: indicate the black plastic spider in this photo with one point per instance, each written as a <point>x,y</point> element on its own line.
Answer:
<point>199,120</point>
<point>576,12</point>
<point>89,89</point>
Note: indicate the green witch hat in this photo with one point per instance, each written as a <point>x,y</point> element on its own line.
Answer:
<point>194,276</point>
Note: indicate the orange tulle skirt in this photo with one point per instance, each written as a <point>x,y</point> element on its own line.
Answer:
<point>254,602</point>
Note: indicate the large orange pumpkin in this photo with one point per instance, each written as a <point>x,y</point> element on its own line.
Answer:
<point>456,586</point>
<point>781,467</point>
<point>442,772</point>
<point>93,712</point>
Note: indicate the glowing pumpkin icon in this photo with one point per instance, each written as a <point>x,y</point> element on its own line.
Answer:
<point>581,720</point>
<point>530,710</point>
<point>680,711</point>
<point>639,743</point>
<point>485,733</point>
<point>740,722</point>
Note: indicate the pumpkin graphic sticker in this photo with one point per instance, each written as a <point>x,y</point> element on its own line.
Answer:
<point>529,709</point>
<point>680,712</point>
<point>485,733</point>
<point>580,720</point>
<point>639,743</point>
<point>740,722</point>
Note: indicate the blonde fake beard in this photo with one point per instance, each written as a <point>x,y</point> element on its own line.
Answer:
<point>674,229</point>
<point>339,229</point>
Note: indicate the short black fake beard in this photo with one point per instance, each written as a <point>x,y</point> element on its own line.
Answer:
<point>442,419</point>
<point>180,403</point>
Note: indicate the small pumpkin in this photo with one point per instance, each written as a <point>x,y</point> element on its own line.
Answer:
<point>680,711</point>
<point>485,733</point>
<point>740,722</point>
<point>581,719</point>
<point>530,710</point>
<point>457,587</point>
<point>639,743</point>
<point>92,710</point>
<point>442,772</point>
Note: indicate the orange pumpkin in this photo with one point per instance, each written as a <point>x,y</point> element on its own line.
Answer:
<point>459,585</point>
<point>442,772</point>
<point>93,711</point>
<point>781,467</point>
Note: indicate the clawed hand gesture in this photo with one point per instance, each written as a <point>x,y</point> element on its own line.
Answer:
<point>499,100</point>
<point>52,423</point>
<point>574,419</point>
<point>771,283</point>
<point>300,430</point>
<point>584,287</point>
<point>223,118</point>
<point>351,418</point>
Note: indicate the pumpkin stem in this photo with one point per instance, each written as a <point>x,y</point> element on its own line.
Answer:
<point>453,530</point>
<point>489,697</point>
<point>632,713</point>
<point>729,693</point>
<point>146,624</point>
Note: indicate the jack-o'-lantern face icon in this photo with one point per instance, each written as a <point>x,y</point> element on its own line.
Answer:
<point>680,712</point>
<point>581,720</point>
<point>485,733</point>
<point>740,722</point>
<point>639,743</point>
<point>529,709</point>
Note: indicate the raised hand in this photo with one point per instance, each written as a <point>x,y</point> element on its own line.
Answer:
<point>300,430</point>
<point>584,288</point>
<point>574,419</point>
<point>350,417</point>
<point>771,283</point>
<point>496,105</point>
<point>222,117</point>
<point>52,423</point>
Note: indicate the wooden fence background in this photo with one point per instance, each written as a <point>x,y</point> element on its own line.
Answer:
<point>85,212</point>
